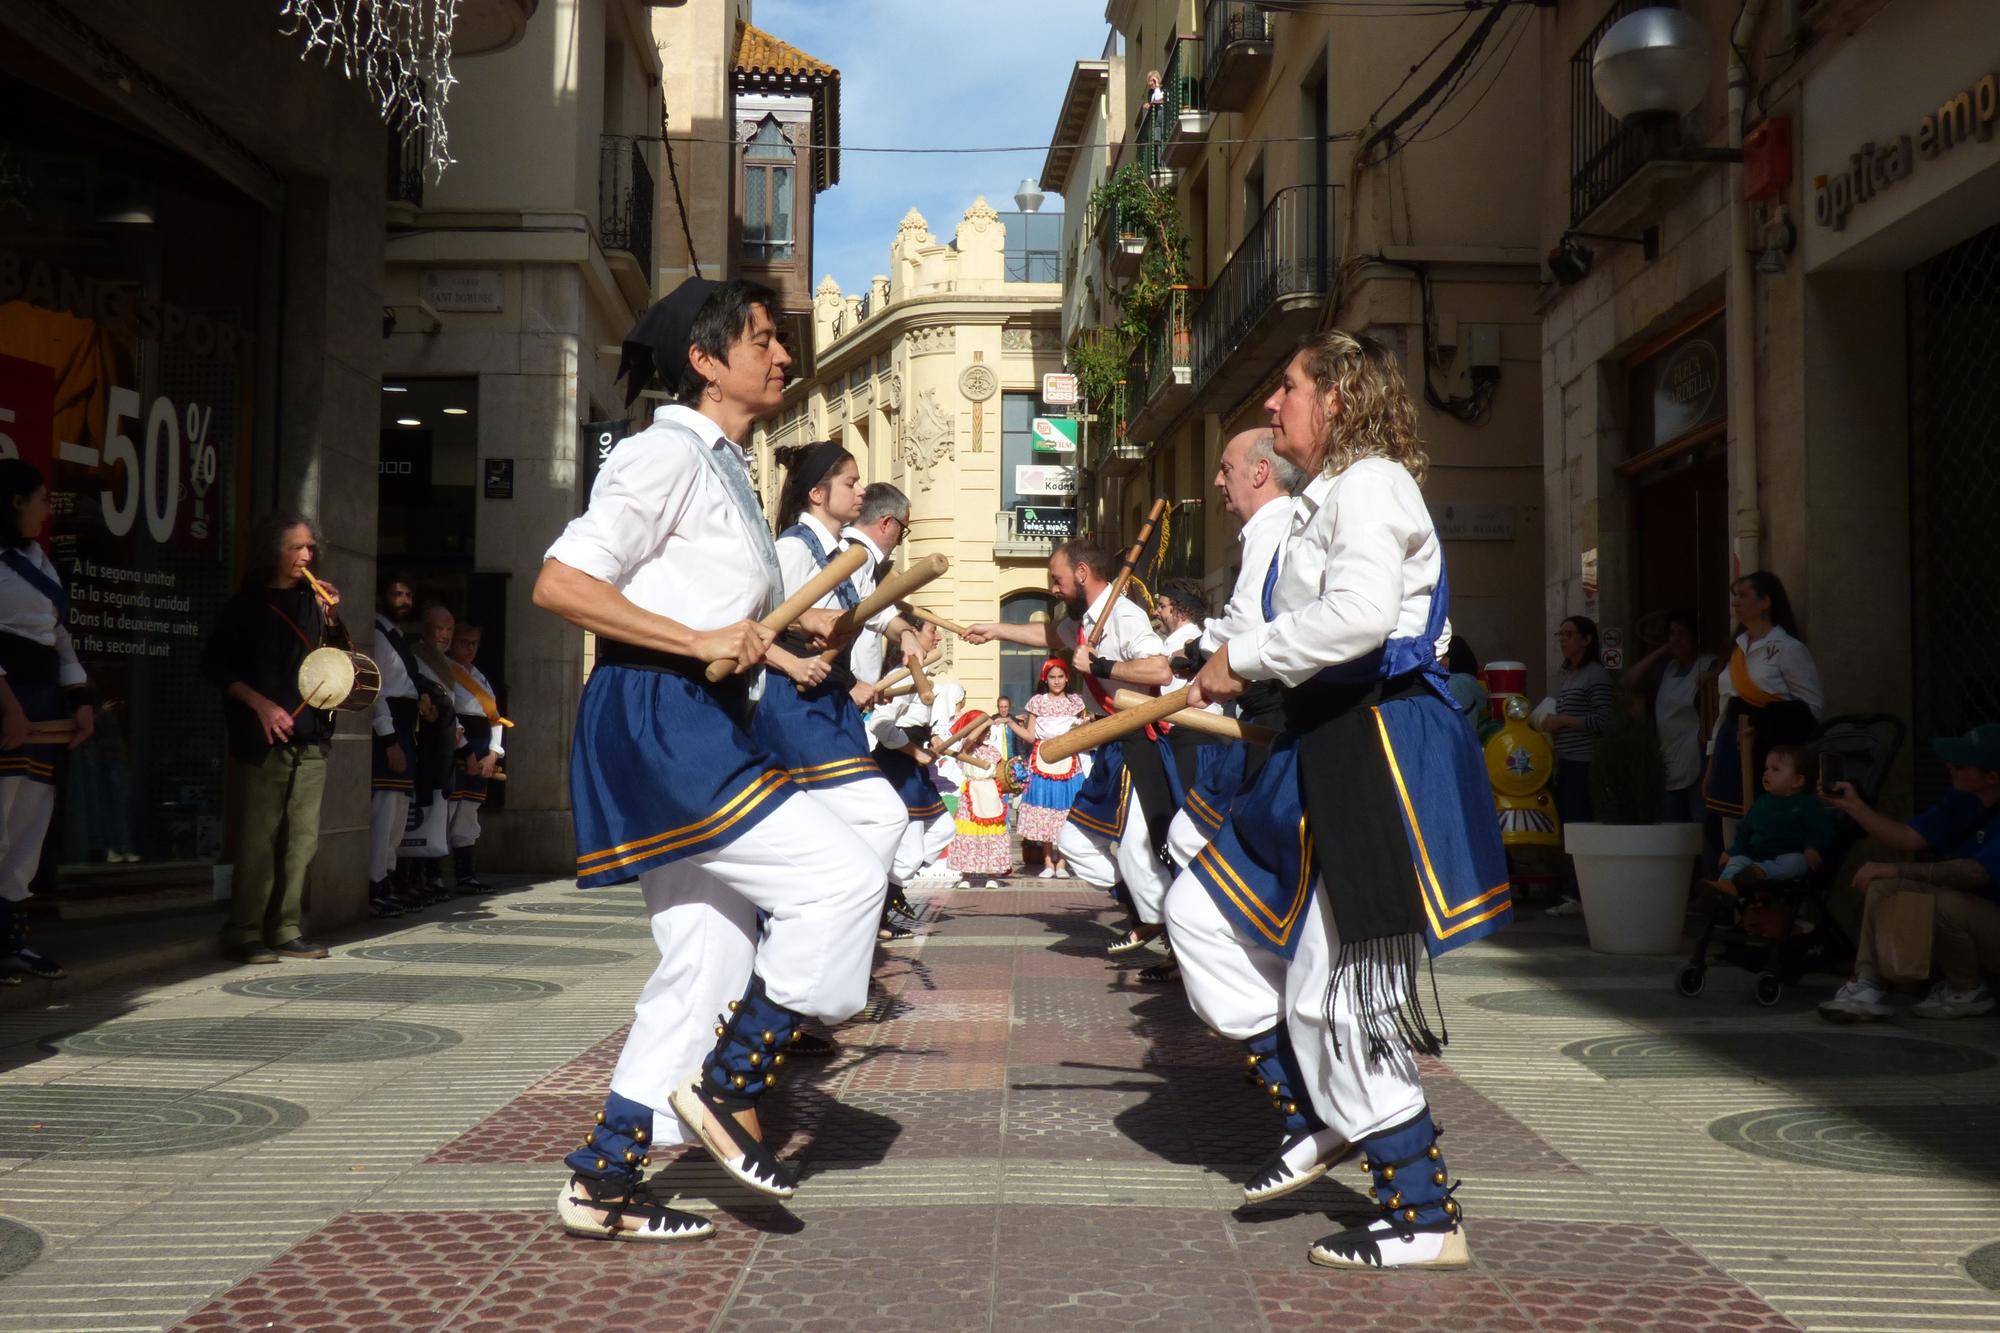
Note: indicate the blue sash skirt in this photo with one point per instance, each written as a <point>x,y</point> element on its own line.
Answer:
<point>466,786</point>
<point>1206,801</point>
<point>1261,865</point>
<point>912,783</point>
<point>1100,802</point>
<point>815,735</point>
<point>42,702</point>
<point>661,769</point>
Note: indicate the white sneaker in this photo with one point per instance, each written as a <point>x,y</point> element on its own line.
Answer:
<point>1567,907</point>
<point>1947,1001</point>
<point>1048,872</point>
<point>1859,1001</point>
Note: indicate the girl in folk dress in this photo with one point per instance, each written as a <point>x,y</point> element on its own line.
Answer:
<point>982,846</point>
<point>1051,786</point>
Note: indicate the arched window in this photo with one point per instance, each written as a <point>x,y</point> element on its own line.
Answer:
<point>1021,668</point>
<point>768,163</point>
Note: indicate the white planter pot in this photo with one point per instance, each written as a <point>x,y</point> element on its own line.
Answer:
<point>1634,879</point>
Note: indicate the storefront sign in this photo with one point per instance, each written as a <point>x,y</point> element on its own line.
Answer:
<point>1054,435</point>
<point>499,478</point>
<point>595,441</point>
<point>1680,389</point>
<point>1476,522</point>
<point>1967,115</point>
<point>466,290</point>
<point>1036,521</point>
<point>1059,390</point>
<point>1042,479</point>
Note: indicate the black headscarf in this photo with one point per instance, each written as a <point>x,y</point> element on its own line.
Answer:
<point>657,347</point>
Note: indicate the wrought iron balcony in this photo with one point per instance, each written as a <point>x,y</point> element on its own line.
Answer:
<point>1151,141</point>
<point>407,156</point>
<point>1604,155</point>
<point>625,199</point>
<point>1241,43</point>
<point>1188,116</point>
<point>1269,293</point>
<point>1126,240</point>
<point>1123,451</point>
<point>1169,380</point>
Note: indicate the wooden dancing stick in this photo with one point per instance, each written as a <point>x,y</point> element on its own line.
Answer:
<point>901,674</point>
<point>965,740</point>
<point>1196,719</point>
<point>896,691</point>
<point>61,731</point>
<point>924,689</point>
<point>1119,584</point>
<point>836,572</point>
<point>1115,726</point>
<point>932,618</point>
<point>887,593</point>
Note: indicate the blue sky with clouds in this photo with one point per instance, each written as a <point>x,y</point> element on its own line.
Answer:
<point>932,73</point>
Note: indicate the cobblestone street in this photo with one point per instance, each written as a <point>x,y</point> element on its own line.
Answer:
<point>1017,1136</point>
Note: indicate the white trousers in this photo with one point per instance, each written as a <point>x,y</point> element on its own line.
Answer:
<point>388,812</point>
<point>461,823</point>
<point>25,808</point>
<point>923,841</point>
<point>1241,989</point>
<point>1100,861</point>
<point>1185,839</point>
<point>873,810</point>
<point>821,887</point>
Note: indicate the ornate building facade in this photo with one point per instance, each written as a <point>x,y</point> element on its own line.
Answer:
<point>932,378</point>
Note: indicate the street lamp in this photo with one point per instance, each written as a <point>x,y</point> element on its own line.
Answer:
<point>1653,62</point>
<point>1650,69</point>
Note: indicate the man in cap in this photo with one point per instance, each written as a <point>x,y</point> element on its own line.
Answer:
<point>1956,846</point>
<point>671,566</point>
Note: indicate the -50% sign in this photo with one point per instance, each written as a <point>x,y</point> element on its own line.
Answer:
<point>151,485</point>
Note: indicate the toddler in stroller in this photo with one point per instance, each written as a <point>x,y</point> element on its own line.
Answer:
<point>1771,918</point>
<point>1787,833</point>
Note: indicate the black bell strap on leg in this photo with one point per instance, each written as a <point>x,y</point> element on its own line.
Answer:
<point>1413,1185</point>
<point>750,1050</point>
<point>615,1150</point>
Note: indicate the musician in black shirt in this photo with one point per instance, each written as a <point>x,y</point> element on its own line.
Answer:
<point>277,747</point>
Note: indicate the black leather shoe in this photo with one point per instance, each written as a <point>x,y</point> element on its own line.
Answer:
<point>249,953</point>
<point>299,947</point>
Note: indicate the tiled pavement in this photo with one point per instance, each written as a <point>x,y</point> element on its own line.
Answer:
<point>1017,1137</point>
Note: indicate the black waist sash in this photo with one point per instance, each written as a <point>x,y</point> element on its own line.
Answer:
<point>28,662</point>
<point>731,692</point>
<point>1149,788</point>
<point>1356,821</point>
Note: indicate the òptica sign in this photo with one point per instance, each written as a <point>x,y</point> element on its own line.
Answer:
<point>1967,116</point>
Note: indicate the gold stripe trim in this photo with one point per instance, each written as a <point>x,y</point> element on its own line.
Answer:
<point>1427,879</point>
<point>755,791</point>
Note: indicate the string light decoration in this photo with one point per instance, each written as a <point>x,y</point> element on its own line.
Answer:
<point>399,49</point>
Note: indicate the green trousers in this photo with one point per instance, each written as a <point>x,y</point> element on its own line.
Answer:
<point>275,830</point>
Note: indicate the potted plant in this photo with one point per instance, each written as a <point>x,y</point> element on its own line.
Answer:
<point>1631,868</point>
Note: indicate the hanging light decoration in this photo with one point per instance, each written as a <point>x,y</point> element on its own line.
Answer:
<point>400,50</point>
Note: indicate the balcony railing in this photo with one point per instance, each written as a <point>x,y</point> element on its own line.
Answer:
<point>1603,154</point>
<point>1188,116</point>
<point>1010,543</point>
<point>407,156</point>
<point>1172,361</point>
<point>625,199</point>
<point>1269,290</point>
<point>1241,41</point>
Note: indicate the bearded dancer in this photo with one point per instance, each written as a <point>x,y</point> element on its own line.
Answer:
<point>1125,803</point>
<point>1374,775</point>
<point>669,567</point>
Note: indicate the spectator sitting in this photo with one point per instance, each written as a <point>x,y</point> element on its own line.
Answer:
<point>1963,832</point>
<point>1788,832</point>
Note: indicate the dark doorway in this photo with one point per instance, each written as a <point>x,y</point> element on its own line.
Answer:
<point>1682,560</point>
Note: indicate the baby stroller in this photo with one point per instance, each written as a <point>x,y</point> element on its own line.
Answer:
<point>1778,929</point>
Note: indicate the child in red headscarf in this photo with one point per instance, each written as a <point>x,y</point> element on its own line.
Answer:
<point>1055,708</point>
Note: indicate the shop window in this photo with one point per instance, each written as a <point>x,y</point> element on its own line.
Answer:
<point>130,319</point>
<point>769,163</point>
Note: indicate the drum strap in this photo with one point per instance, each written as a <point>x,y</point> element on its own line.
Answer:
<point>293,625</point>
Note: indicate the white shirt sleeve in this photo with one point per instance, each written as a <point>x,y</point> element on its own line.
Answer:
<point>639,498</point>
<point>70,671</point>
<point>796,563</point>
<point>390,664</point>
<point>1801,675</point>
<point>1370,534</point>
<point>1136,636</point>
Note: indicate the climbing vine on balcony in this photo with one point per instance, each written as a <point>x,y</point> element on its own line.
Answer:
<point>1140,208</point>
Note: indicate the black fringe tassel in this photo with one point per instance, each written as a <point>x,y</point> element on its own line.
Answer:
<point>1381,978</point>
